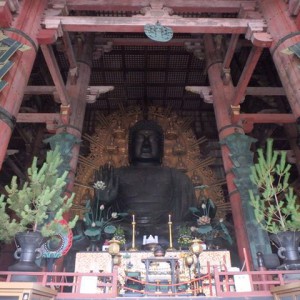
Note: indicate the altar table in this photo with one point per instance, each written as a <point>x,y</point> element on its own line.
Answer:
<point>133,262</point>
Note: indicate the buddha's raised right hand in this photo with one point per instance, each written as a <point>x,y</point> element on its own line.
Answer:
<point>106,185</point>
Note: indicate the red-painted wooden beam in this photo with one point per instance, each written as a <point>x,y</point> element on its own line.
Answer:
<point>38,118</point>
<point>47,37</point>
<point>266,118</point>
<point>194,6</point>
<point>248,120</point>
<point>137,23</point>
<point>26,27</point>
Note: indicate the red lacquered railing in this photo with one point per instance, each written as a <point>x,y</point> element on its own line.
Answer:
<point>72,285</point>
<point>105,285</point>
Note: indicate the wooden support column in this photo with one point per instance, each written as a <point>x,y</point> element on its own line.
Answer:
<point>285,33</point>
<point>78,93</point>
<point>222,95</point>
<point>26,27</point>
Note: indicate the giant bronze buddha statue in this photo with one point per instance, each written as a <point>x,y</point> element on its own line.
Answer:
<point>145,187</point>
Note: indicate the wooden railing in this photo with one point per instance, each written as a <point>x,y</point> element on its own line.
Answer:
<point>71,285</point>
<point>250,283</point>
<point>105,285</point>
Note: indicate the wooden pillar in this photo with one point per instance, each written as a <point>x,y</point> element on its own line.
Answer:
<point>222,95</point>
<point>77,92</point>
<point>24,29</point>
<point>284,32</point>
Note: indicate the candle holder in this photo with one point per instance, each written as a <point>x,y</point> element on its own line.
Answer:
<point>133,247</point>
<point>189,261</point>
<point>171,248</point>
<point>196,248</point>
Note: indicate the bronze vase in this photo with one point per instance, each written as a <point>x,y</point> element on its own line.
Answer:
<point>288,249</point>
<point>28,251</point>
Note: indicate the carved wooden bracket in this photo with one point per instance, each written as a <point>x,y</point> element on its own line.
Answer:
<point>157,9</point>
<point>203,91</point>
<point>93,92</point>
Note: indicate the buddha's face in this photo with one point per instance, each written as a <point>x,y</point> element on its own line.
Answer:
<point>146,146</point>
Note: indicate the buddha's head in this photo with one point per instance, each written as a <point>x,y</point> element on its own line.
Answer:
<point>146,143</point>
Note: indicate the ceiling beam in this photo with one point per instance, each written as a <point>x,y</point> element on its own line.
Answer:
<point>38,118</point>
<point>52,120</point>
<point>92,93</point>
<point>205,92</point>
<point>40,90</point>
<point>137,23</point>
<point>266,118</point>
<point>145,41</point>
<point>265,91</point>
<point>194,6</point>
<point>252,91</point>
<point>248,120</point>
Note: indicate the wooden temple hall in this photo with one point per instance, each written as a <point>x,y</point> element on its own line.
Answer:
<point>158,112</point>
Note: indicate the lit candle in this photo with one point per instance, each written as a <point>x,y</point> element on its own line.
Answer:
<point>133,218</point>
<point>169,218</point>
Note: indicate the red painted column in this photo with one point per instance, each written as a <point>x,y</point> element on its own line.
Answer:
<point>28,23</point>
<point>285,33</point>
<point>222,95</point>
